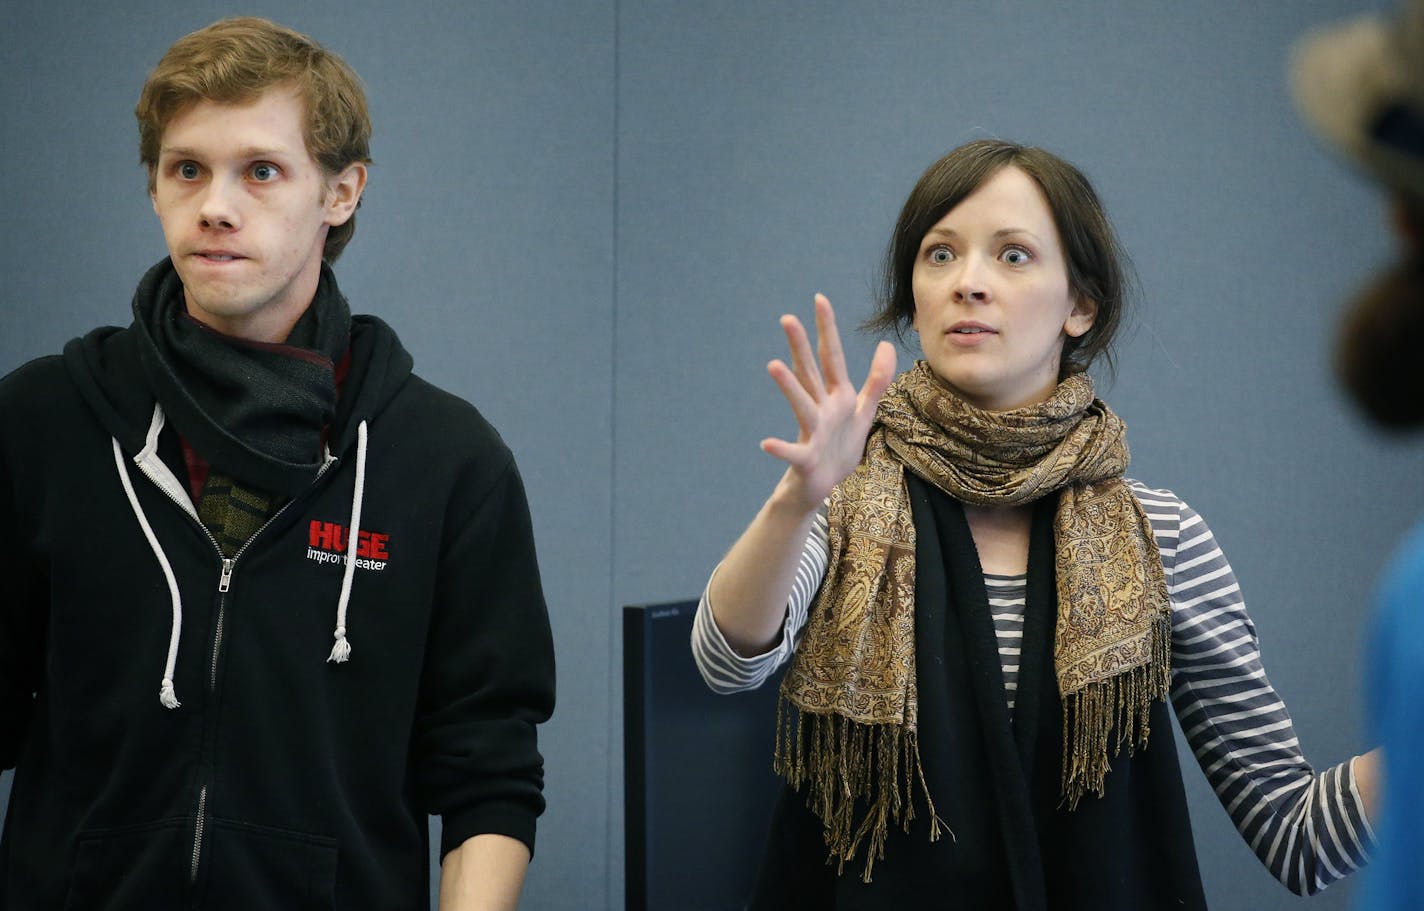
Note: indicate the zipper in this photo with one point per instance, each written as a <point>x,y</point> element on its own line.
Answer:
<point>198,833</point>
<point>224,583</point>
<point>229,565</point>
<point>225,577</point>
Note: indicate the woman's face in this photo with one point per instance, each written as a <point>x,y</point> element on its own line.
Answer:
<point>992,301</point>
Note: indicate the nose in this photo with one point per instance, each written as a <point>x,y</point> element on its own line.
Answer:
<point>218,209</point>
<point>970,284</point>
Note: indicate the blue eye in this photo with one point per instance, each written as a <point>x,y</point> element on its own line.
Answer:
<point>941,255</point>
<point>1015,256</point>
<point>187,170</point>
<point>264,172</point>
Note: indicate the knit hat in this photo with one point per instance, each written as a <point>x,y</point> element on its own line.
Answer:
<point>1360,85</point>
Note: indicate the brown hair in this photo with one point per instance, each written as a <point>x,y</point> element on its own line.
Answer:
<point>234,61</point>
<point>1097,266</point>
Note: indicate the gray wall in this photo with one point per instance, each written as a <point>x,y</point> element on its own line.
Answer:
<point>586,217</point>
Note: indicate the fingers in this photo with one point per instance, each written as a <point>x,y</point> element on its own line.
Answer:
<point>791,453</point>
<point>828,344</point>
<point>820,393</point>
<point>802,362</point>
<point>792,386</point>
<point>877,380</point>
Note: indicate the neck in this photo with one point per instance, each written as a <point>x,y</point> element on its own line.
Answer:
<point>264,328</point>
<point>1001,535</point>
<point>1005,394</point>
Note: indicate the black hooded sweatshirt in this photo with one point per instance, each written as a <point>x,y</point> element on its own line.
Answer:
<point>281,780</point>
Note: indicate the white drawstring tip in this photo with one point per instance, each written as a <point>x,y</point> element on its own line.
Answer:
<point>167,696</point>
<point>342,649</point>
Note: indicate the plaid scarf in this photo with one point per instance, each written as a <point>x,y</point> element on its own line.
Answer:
<point>852,685</point>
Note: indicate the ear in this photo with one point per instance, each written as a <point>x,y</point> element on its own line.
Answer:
<point>1081,318</point>
<point>343,193</point>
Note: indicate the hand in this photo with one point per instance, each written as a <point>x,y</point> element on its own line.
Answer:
<point>834,419</point>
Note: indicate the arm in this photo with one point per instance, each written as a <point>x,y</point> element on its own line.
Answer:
<point>23,611</point>
<point>486,873</point>
<point>749,591</point>
<point>726,671</point>
<point>1308,829</point>
<point>488,682</point>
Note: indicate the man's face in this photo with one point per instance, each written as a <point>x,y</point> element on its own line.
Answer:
<point>245,211</point>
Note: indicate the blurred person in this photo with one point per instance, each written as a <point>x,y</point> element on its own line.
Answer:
<point>1360,85</point>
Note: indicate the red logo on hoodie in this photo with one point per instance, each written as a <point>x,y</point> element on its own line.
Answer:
<point>327,544</point>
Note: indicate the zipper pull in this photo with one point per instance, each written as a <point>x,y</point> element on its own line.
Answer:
<point>226,581</point>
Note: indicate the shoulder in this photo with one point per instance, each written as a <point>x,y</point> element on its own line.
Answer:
<point>31,382</point>
<point>449,437</point>
<point>1189,549</point>
<point>40,395</point>
<point>44,414</point>
<point>32,404</point>
<point>1154,497</point>
<point>1167,512</point>
<point>1403,580</point>
<point>424,411</point>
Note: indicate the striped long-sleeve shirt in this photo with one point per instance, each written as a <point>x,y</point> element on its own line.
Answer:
<point>1309,830</point>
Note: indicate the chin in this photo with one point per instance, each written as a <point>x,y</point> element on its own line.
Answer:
<point>968,383</point>
<point>220,308</point>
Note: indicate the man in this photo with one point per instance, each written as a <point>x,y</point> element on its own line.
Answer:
<point>270,597</point>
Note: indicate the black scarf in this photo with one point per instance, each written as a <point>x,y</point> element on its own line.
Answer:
<point>1014,844</point>
<point>254,411</point>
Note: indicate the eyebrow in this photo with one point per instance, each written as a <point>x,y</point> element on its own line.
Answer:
<point>246,152</point>
<point>997,235</point>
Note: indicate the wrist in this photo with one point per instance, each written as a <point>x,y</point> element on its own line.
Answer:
<point>791,502</point>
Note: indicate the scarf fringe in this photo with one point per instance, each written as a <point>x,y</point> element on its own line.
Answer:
<point>849,766</point>
<point>1122,701</point>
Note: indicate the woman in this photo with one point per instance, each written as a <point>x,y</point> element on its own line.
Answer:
<point>1361,86</point>
<point>984,618</point>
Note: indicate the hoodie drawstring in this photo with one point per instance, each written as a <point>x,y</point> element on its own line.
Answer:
<point>165,692</point>
<point>342,649</point>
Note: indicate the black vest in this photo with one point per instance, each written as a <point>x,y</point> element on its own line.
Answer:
<point>997,783</point>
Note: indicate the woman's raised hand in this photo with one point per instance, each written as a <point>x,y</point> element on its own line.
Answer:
<point>833,417</point>
<point>748,592</point>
